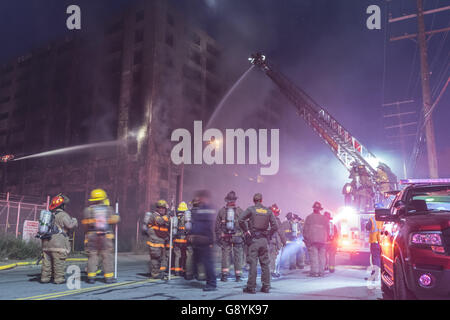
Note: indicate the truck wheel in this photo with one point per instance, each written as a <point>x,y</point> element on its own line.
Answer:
<point>401,291</point>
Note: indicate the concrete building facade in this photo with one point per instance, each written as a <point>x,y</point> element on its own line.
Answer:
<point>145,73</point>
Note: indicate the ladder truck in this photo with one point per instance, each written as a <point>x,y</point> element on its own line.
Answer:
<point>347,149</point>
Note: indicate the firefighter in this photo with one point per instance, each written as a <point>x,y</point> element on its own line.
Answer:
<point>98,220</point>
<point>375,228</point>
<point>182,250</point>
<point>261,226</point>
<point>156,227</point>
<point>332,244</point>
<point>347,191</point>
<point>300,255</point>
<point>55,244</point>
<point>202,237</point>
<point>363,188</point>
<point>290,229</point>
<point>230,237</point>
<point>277,243</point>
<point>315,233</point>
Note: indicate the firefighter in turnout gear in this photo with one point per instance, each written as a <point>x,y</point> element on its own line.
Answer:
<point>277,243</point>
<point>98,220</point>
<point>182,250</point>
<point>363,187</point>
<point>290,228</point>
<point>316,234</point>
<point>300,255</point>
<point>230,237</point>
<point>261,226</point>
<point>156,227</point>
<point>331,245</point>
<point>55,243</point>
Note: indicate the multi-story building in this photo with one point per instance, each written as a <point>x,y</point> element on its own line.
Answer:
<point>147,72</point>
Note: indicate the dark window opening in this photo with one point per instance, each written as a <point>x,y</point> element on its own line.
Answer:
<point>138,57</point>
<point>192,94</point>
<point>196,39</point>
<point>196,57</point>
<point>115,28</point>
<point>140,15</point>
<point>191,73</point>
<point>170,20</point>
<point>169,40</point>
<point>139,36</point>
<point>212,50</point>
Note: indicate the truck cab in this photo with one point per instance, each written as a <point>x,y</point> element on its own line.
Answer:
<point>415,241</point>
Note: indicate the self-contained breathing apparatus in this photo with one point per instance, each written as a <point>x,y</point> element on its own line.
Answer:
<point>188,220</point>
<point>47,226</point>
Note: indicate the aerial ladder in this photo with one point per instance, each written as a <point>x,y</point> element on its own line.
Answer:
<point>347,149</point>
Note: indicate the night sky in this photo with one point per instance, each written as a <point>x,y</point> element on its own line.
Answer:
<point>322,45</point>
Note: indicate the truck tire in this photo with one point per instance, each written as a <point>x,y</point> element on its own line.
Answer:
<point>401,291</point>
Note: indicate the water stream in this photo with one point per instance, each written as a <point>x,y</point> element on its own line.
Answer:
<point>226,96</point>
<point>69,149</point>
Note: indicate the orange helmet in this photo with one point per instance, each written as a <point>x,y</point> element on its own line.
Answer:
<point>58,201</point>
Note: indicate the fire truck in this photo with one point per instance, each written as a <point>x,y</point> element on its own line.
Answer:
<point>347,149</point>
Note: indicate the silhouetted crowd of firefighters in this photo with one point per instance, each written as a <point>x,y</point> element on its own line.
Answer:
<point>181,241</point>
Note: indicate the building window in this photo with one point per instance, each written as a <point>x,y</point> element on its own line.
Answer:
<point>169,62</point>
<point>139,36</point>
<point>115,46</point>
<point>137,57</point>
<point>169,40</point>
<point>211,66</point>
<point>4,100</point>
<point>137,77</point>
<point>5,84</point>
<point>115,28</point>
<point>212,50</point>
<point>196,57</point>
<point>192,94</point>
<point>170,20</point>
<point>140,15</point>
<point>192,73</point>
<point>195,39</point>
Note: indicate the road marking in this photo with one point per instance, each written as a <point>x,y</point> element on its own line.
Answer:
<point>78,291</point>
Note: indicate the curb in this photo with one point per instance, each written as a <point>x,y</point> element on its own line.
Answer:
<point>19,264</point>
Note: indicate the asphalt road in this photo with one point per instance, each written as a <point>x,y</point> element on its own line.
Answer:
<point>346,283</point>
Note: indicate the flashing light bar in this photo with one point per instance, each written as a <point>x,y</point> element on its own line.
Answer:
<point>424,181</point>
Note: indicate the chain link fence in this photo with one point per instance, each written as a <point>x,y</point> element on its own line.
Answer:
<point>15,210</point>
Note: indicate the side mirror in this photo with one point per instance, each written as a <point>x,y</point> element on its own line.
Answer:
<point>400,207</point>
<point>384,215</point>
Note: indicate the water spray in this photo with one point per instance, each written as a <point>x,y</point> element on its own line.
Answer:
<point>70,149</point>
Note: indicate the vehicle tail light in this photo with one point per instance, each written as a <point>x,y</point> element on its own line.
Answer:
<point>438,249</point>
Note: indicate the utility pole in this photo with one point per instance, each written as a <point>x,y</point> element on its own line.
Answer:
<point>426,94</point>
<point>425,75</point>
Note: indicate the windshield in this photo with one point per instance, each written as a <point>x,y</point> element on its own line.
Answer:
<point>429,199</point>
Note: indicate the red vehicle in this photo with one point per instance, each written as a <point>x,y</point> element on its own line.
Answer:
<point>415,241</point>
<point>7,158</point>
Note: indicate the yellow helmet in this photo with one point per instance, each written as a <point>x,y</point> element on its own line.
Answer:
<point>98,195</point>
<point>182,207</point>
<point>162,204</point>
